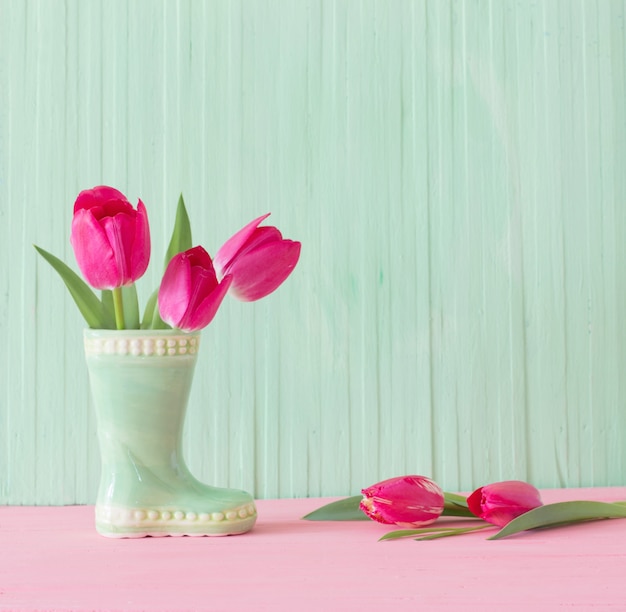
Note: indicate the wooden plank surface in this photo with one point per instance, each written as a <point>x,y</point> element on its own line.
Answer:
<point>52,559</point>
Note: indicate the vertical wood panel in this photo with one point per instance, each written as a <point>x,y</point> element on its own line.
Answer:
<point>455,171</point>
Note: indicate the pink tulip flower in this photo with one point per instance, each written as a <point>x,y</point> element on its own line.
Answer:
<point>258,258</point>
<point>190,294</point>
<point>111,239</point>
<point>501,502</point>
<point>407,501</point>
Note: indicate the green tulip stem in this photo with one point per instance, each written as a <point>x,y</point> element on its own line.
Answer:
<point>118,306</point>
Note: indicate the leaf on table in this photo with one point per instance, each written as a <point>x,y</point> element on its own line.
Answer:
<point>341,510</point>
<point>561,513</point>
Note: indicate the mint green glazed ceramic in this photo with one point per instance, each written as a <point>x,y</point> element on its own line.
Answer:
<point>140,382</point>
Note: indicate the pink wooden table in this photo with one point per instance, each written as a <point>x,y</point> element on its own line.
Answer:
<point>52,559</point>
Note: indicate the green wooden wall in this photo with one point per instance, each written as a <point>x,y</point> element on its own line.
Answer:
<point>455,171</point>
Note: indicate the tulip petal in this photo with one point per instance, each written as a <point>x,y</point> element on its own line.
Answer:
<point>118,229</point>
<point>501,502</point>
<point>102,193</point>
<point>230,248</point>
<point>262,270</point>
<point>261,235</point>
<point>93,251</point>
<point>200,316</point>
<point>140,256</point>
<point>190,295</point>
<point>175,289</point>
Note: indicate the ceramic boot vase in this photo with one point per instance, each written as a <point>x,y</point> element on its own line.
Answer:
<point>140,383</point>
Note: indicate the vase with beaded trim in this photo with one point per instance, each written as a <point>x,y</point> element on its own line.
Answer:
<point>140,382</point>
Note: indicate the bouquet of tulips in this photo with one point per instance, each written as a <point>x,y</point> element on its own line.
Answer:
<point>416,502</point>
<point>111,242</point>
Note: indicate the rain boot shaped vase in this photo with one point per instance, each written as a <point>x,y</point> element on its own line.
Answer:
<point>140,383</point>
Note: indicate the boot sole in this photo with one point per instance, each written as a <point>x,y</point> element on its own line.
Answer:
<point>141,523</point>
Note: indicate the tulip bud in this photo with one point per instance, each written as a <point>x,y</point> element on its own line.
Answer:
<point>407,501</point>
<point>111,239</point>
<point>190,294</point>
<point>501,502</point>
<point>258,258</point>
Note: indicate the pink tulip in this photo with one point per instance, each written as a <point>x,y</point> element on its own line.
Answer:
<point>111,239</point>
<point>258,258</point>
<point>190,294</point>
<point>407,501</point>
<point>501,502</point>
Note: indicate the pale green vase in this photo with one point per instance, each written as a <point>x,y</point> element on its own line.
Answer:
<point>140,382</point>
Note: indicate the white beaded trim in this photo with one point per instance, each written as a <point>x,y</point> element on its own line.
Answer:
<point>143,346</point>
<point>141,516</point>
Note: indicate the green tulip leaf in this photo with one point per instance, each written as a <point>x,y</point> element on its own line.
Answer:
<point>456,510</point>
<point>561,513</point>
<point>148,313</point>
<point>455,498</point>
<point>181,235</point>
<point>93,310</point>
<point>151,317</point>
<point>342,510</point>
<point>456,505</point>
<point>131,306</point>
<point>106,295</point>
<point>179,242</point>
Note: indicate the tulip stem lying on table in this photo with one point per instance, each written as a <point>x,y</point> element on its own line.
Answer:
<point>431,533</point>
<point>118,306</point>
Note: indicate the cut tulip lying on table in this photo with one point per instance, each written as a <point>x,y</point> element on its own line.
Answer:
<point>404,501</point>
<point>501,502</point>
